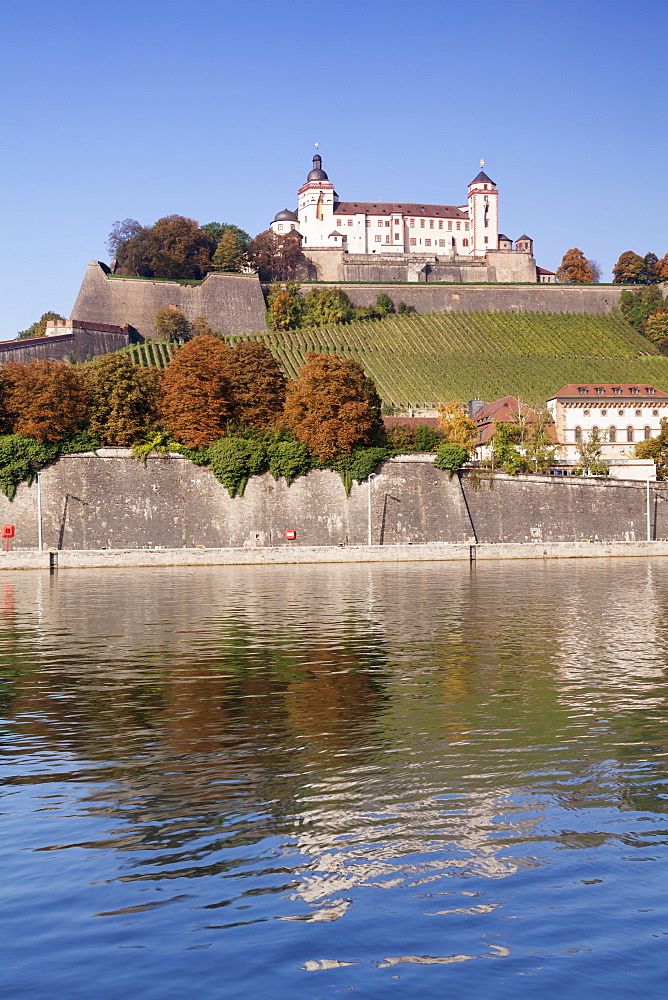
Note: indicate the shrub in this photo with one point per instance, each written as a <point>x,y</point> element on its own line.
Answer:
<point>233,460</point>
<point>450,458</point>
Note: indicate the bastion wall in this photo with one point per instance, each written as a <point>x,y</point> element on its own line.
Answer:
<point>108,499</point>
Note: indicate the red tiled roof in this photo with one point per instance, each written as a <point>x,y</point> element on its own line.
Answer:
<point>411,422</point>
<point>593,391</point>
<point>396,208</point>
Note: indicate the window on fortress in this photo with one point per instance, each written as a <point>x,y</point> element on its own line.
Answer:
<point>379,239</point>
<point>350,222</point>
<point>339,222</point>
<point>412,223</point>
<point>459,225</point>
<point>397,236</point>
<point>441,243</point>
<point>449,225</point>
<point>413,241</point>
<point>612,434</point>
<point>431,223</point>
<point>647,433</point>
<point>427,243</point>
<point>380,222</point>
<point>578,434</point>
<point>465,243</point>
<point>280,227</point>
<point>421,223</point>
<point>629,434</point>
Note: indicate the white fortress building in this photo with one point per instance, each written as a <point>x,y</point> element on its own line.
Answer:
<point>406,232</point>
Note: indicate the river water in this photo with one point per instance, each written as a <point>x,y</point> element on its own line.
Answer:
<point>410,781</point>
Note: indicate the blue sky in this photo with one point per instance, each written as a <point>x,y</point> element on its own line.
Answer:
<point>210,109</point>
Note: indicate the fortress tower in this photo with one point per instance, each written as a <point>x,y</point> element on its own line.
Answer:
<point>483,214</point>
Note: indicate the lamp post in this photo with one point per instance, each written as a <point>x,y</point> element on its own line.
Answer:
<point>649,518</point>
<point>39,512</point>
<point>372,475</point>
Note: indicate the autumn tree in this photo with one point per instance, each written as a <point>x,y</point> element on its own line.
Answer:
<point>277,258</point>
<point>123,399</point>
<point>632,269</point>
<point>258,385</point>
<point>38,328</point>
<point>285,306</point>
<point>200,327</point>
<point>121,232</point>
<point>332,405</point>
<point>45,400</point>
<point>174,247</point>
<point>456,426</point>
<point>197,393</point>
<point>662,268</point>
<point>575,268</point>
<point>171,324</point>
<point>656,448</point>
<point>656,325</point>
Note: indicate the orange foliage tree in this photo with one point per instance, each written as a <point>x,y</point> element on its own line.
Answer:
<point>258,384</point>
<point>197,391</point>
<point>45,400</point>
<point>575,268</point>
<point>332,405</point>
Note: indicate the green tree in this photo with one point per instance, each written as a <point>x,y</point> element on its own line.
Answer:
<point>197,395</point>
<point>656,448</point>
<point>38,328</point>
<point>286,306</point>
<point>507,448</point>
<point>332,406</point>
<point>590,459</point>
<point>451,457</point>
<point>123,399</point>
<point>637,307</point>
<point>539,445</point>
<point>171,324</point>
<point>174,247</point>
<point>575,268</point>
<point>327,307</point>
<point>384,304</point>
<point>216,230</point>
<point>230,253</point>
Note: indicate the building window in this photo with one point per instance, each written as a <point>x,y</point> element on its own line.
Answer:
<point>350,222</point>
<point>431,223</point>
<point>280,227</point>
<point>427,243</point>
<point>649,390</point>
<point>379,239</point>
<point>465,243</point>
<point>595,433</point>
<point>466,226</point>
<point>441,243</point>
<point>629,434</point>
<point>612,434</point>
<point>634,391</point>
<point>421,223</point>
<point>617,391</point>
<point>397,221</point>
<point>306,218</point>
<point>648,433</point>
<point>578,434</point>
<point>486,239</point>
<point>440,223</point>
<point>388,238</point>
<point>380,222</point>
<point>368,222</point>
<point>604,413</point>
<point>339,222</point>
<point>459,225</point>
<point>638,413</point>
<point>397,236</point>
<point>387,223</point>
<point>413,241</point>
<point>655,413</point>
<point>450,226</point>
<point>600,392</point>
<point>412,223</point>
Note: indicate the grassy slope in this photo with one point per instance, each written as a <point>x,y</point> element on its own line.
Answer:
<point>464,355</point>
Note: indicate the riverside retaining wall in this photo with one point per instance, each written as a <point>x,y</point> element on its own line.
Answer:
<point>110,500</point>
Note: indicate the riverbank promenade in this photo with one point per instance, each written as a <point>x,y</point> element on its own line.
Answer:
<point>285,555</point>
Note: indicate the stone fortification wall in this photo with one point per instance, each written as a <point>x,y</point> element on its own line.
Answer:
<point>505,298</point>
<point>80,345</point>
<point>336,265</point>
<point>233,303</point>
<point>109,499</point>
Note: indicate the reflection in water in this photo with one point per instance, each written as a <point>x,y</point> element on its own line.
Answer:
<point>331,766</point>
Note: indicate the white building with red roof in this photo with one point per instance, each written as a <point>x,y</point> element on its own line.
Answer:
<point>619,415</point>
<point>463,231</point>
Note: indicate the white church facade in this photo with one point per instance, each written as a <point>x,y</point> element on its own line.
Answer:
<point>444,234</point>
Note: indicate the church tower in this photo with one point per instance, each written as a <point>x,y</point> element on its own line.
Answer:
<point>483,214</point>
<point>316,207</point>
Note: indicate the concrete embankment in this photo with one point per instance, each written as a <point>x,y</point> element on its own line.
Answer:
<point>129,558</point>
